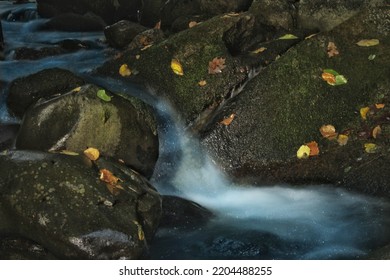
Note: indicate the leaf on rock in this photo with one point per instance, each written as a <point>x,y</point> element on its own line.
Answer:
<point>371,57</point>
<point>303,152</point>
<point>107,176</point>
<point>329,78</point>
<point>146,47</point>
<point>124,70</point>
<point>376,131</point>
<point>92,153</point>
<point>340,80</point>
<point>192,24</point>
<point>370,148</point>
<point>368,42</point>
<point>379,106</point>
<point>363,112</point>
<point>176,67</point>
<point>216,65</point>
<point>141,234</point>
<point>259,50</point>
<point>227,121</point>
<point>332,49</point>
<point>202,83</point>
<point>69,153</point>
<point>114,189</point>
<point>158,25</point>
<point>311,36</point>
<point>342,139</point>
<point>328,131</point>
<point>333,78</point>
<point>101,93</point>
<point>288,37</point>
<point>314,150</point>
<point>76,89</point>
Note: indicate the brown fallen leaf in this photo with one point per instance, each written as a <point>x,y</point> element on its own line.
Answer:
<point>192,24</point>
<point>158,25</point>
<point>114,189</point>
<point>216,65</point>
<point>329,78</point>
<point>376,131</point>
<point>379,106</point>
<point>332,49</point>
<point>227,121</point>
<point>107,176</point>
<point>328,131</point>
<point>314,150</point>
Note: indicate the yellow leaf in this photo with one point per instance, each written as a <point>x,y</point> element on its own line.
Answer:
<point>92,153</point>
<point>259,50</point>
<point>76,89</point>
<point>303,152</point>
<point>176,67</point>
<point>141,234</point>
<point>368,42</point>
<point>288,37</point>
<point>379,106</point>
<point>69,153</point>
<point>376,131</point>
<point>370,148</point>
<point>202,83</point>
<point>342,139</point>
<point>363,112</point>
<point>227,121</point>
<point>124,70</point>
<point>192,24</point>
<point>328,131</point>
<point>329,78</point>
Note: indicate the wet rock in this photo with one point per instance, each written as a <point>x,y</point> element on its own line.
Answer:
<point>25,91</point>
<point>23,249</point>
<point>216,7</point>
<point>149,13</point>
<point>380,254</point>
<point>123,128</point>
<point>120,34</point>
<point>58,202</point>
<point>8,135</point>
<point>286,104</point>
<point>146,39</point>
<point>72,22</point>
<point>182,213</point>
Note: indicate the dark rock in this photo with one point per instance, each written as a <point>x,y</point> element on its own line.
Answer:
<point>380,254</point>
<point>146,38</point>
<point>216,7</point>
<point>8,135</point>
<point>75,23</point>
<point>27,90</point>
<point>172,10</point>
<point>183,22</point>
<point>124,129</point>
<point>23,249</point>
<point>182,213</point>
<point>150,12</point>
<point>120,34</point>
<point>286,104</point>
<point>58,202</point>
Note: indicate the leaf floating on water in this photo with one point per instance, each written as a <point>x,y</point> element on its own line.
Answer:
<point>227,121</point>
<point>101,93</point>
<point>259,50</point>
<point>92,153</point>
<point>303,152</point>
<point>314,150</point>
<point>176,67</point>
<point>124,70</point>
<point>69,153</point>
<point>376,131</point>
<point>342,139</point>
<point>328,131</point>
<point>368,42</point>
<point>370,148</point>
<point>363,112</point>
<point>288,37</point>
<point>216,65</point>
<point>332,49</point>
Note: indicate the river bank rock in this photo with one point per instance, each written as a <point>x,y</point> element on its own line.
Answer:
<point>8,134</point>
<point>287,103</point>
<point>25,91</point>
<point>120,34</point>
<point>58,202</point>
<point>72,22</point>
<point>123,128</point>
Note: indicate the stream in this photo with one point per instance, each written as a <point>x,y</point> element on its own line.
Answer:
<point>268,222</point>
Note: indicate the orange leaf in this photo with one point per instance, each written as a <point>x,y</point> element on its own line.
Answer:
<point>328,131</point>
<point>376,131</point>
<point>379,106</point>
<point>227,121</point>
<point>158,25</point>
<point>92,153</point>
<point>314,150</point>
<point>108,177</point>
<point>216,65</point>
<point>329,78</point>
<point>342,139</point>
<point>332,49</point>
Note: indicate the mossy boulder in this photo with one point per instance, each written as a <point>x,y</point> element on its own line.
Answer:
<point>59,202</point>
<point>287,103</point>
<point>123,128</point>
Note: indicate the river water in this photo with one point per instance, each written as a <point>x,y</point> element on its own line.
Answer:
<point>269,222</point>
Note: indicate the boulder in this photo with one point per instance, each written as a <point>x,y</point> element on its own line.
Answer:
<point>8,134</point>
<point>120,34</point>
<point>123,128</point>
<point>25,91</point>
<point>287,103</point>
<point>72,22</point>
<point>58,202</point>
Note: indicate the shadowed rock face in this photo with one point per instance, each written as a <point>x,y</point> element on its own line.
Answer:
<point>58,202</point>
<point>123,129</point>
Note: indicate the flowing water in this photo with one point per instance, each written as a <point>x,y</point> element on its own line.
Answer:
<point>269,222</point>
